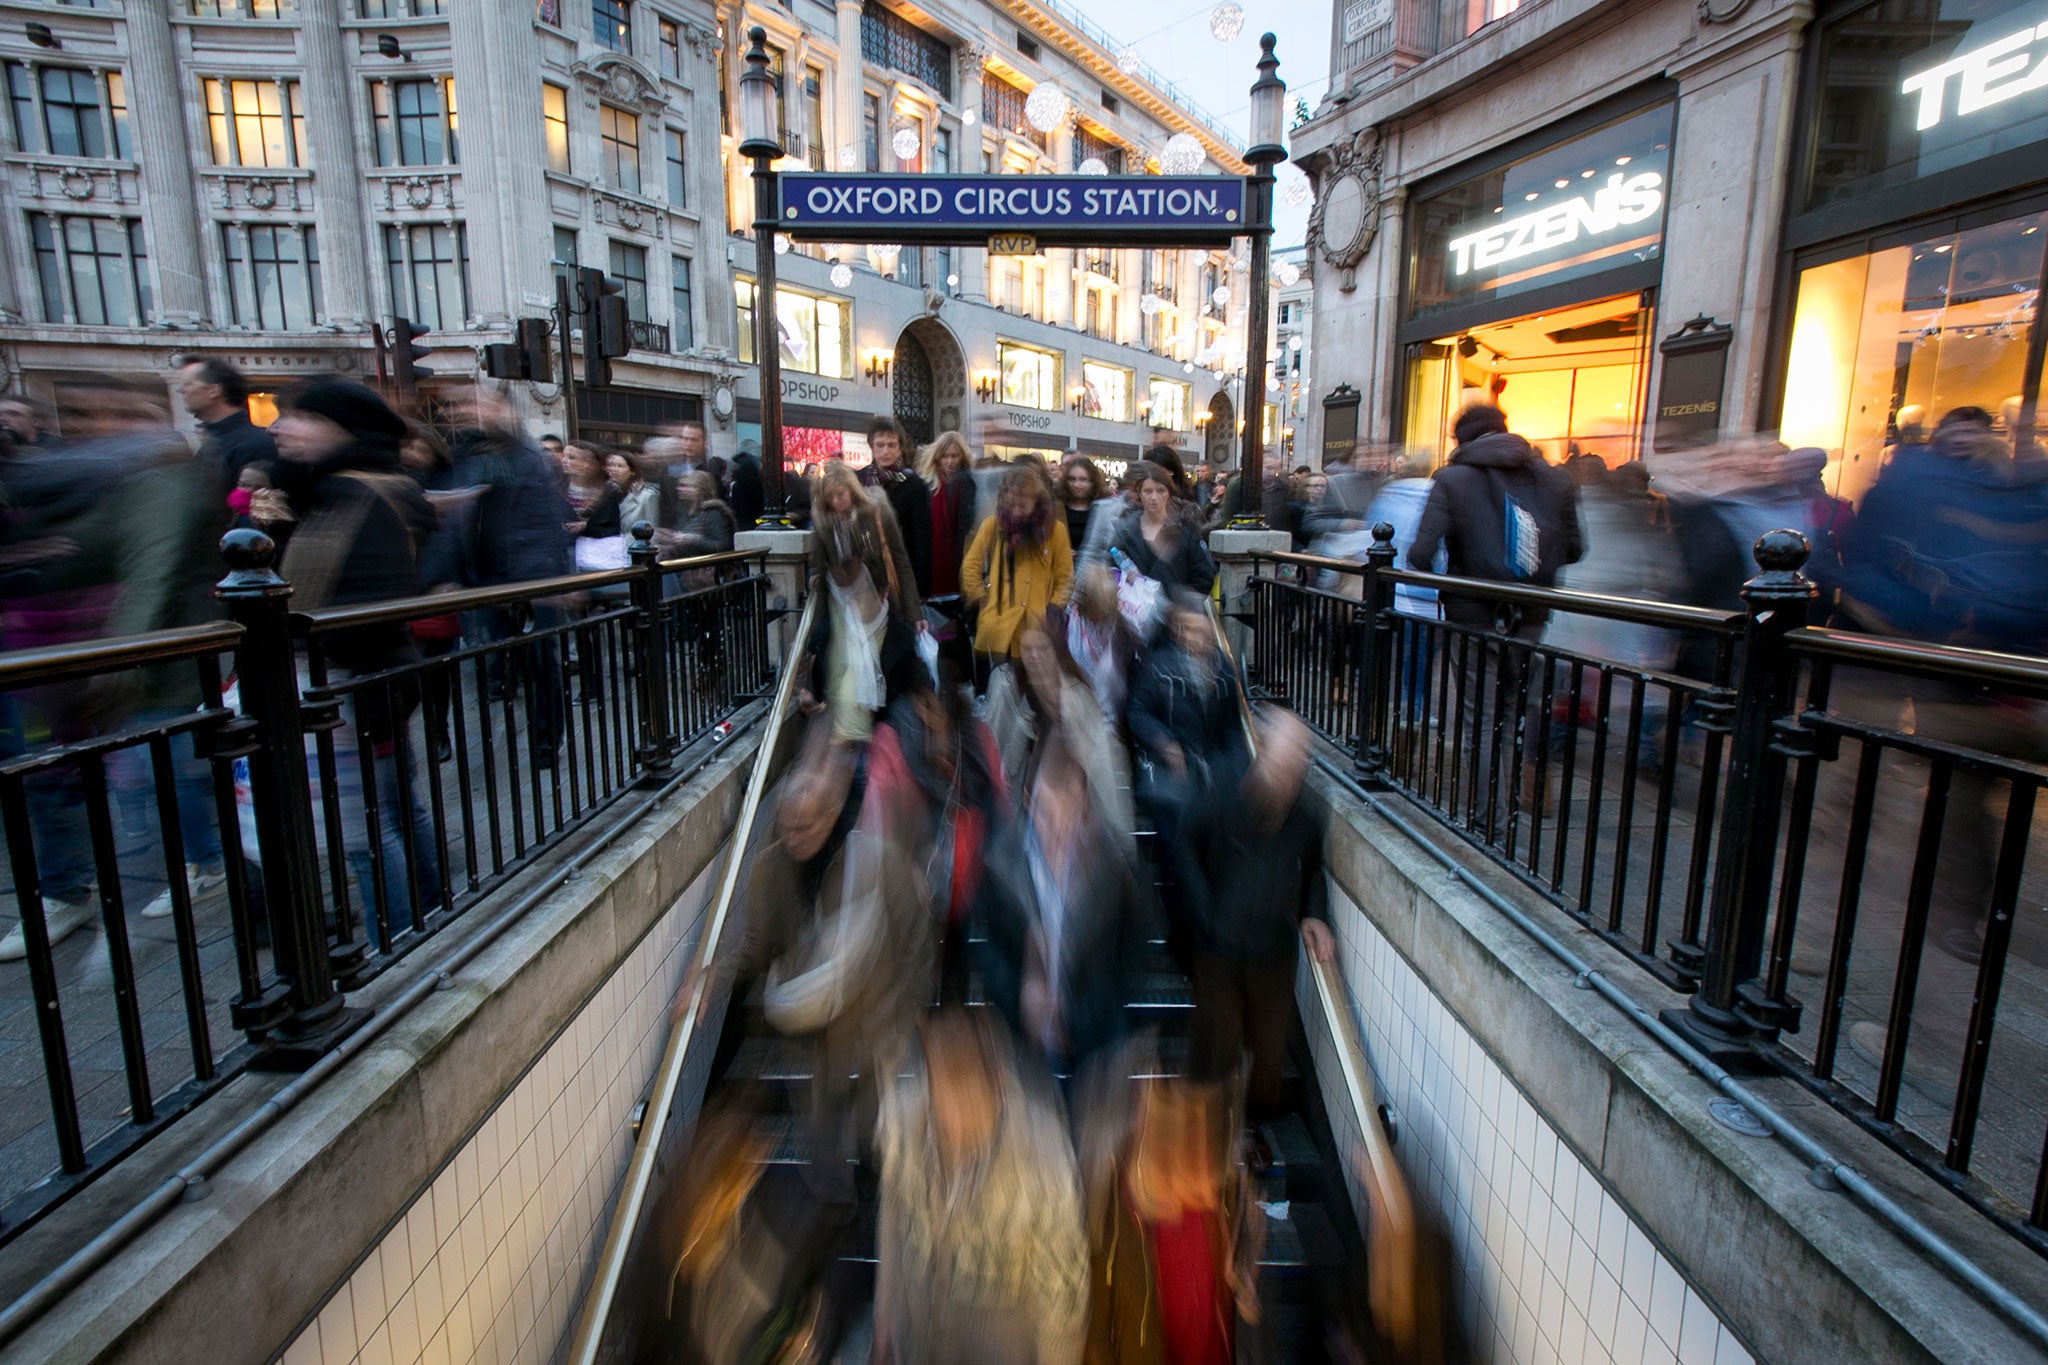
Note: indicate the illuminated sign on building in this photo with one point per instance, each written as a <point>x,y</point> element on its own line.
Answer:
<point>2005,69</point>
<point>1623,201</point>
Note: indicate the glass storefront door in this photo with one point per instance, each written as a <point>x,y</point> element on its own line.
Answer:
<point>1887,342</point>
<point>1570,381</point>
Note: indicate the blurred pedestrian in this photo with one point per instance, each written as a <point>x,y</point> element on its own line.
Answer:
<point>1040,700</point>
<point>217,394</point>
<point>1250,864</point>
<point>982,1258</point>
<point>944,467</point>
<point>909,497</point>
<point>864,646</point>
<point>1102,643</point>
<point>1018,565</point>
<point>1159,542</point>
<point>1184,718</point>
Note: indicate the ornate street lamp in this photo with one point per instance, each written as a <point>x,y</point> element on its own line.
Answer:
<point>761,142</point>
<point>1269,106</point>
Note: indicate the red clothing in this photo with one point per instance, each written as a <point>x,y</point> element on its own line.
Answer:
<point>1190,1290</point>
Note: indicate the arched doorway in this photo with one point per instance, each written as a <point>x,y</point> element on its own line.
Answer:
<point>910,380</point>
<point>1219,434</point>
<point>928,380</point>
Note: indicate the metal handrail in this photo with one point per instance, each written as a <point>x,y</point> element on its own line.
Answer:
<point>1980,667</point>
<point>329,619</point>
<point>57,663</point>
<point>611,1262</point>
<point>1392,1227</point>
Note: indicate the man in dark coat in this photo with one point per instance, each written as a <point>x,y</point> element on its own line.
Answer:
<point>1250,865</point>
<point>216,393</point>
<point>1502,514</point>
<point>910,498</point>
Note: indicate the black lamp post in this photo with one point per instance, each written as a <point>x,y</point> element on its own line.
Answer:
<point>761,141</point>
<point>1269,101</point>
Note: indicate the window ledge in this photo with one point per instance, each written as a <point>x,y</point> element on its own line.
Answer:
<point>51,161</point>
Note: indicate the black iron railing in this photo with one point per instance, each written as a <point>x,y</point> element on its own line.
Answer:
<point>309,823</point>
<point>1784,814</point>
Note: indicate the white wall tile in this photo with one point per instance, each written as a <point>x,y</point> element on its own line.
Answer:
<point>1551,1265</point>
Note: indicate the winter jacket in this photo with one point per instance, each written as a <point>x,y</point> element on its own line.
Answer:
<point>748,495</point>
<point>1467,514</point>
<point>1178,699</point>
<point>235,443</point>
<point>1182,561</point>
<point>1246,887</point>
<point>871,532</point>
<point>953,524</point>
<point>517,534</point>
<point>910,498</point>
<point>1951,546</point>
<point>1104,925</point>
<point>1011,584</point>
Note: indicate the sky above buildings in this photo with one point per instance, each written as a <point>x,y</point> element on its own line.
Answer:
<point>1173,37</point>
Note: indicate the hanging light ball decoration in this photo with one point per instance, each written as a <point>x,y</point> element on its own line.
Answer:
<point>1128,61</point>
<point>1240,264</point>
<point>1095,165</point>
<point>1045,108</point>
<point>781,245</point>
<point>969,117</point>
<point>842,276</point>
<point>848,158</point>
<point>953,282</point>
<point>1288,273</point>
<point>1183,154</point>
<point>1294,343</point>
<point>1148,304</point>
<point>1226,21</point>
<point>1188,367</point>
<point>1216,375</point>
<point>1220,296</point>
<point>1296,193</point>
<point>883,256</point>
<point>905,144</point>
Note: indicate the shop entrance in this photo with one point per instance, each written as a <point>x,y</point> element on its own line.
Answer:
<point>1571,380</point>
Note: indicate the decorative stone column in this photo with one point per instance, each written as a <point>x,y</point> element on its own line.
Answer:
<point>168,185</point>
<point>474,40</point>
<point>849,88</point>
<point>338,189</point>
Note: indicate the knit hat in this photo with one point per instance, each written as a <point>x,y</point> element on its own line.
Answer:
<point>348,405</point>
<point>1477,420</point>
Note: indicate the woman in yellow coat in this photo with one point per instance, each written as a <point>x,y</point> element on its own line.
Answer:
<point>1017,565</point>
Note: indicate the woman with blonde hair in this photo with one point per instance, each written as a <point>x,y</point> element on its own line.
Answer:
<point>945,465</point>
<point>1018,564</point>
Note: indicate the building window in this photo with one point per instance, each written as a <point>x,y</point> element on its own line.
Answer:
<point>404,9</point>
<point>565,256</point>
<point>678,167</point>
<point>255,123</point>
<point>554,114</point>
<point>1106,391</point>
<point>619,137</point>
<point>1169,405</point>
<point>944,283</point>
<point>1089,143</point>
<point>281,290</point>
<point>415,121</point>
<point>1027,46</point>
<point>910,266</point>
<point>1002,105</point>
<point>548,12</point>
<point>814,117</point>
<point>117,115</point>
<point>1030,376</point>
<point>889,40</point>
<point>93,271</point>
<point>611,23</point>
<point>429,265</point>
<point>1098,312</point>
<point>629,267</point>
<point>682,322</point>
<point>942,150</point>
<point>817,331</point>
<point>871,129</point>
<point>234,9</point>
<point>72,118</point>
<point>1111,103</point>
<point>671,50</point>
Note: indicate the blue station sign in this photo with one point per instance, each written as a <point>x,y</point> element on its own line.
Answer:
<point>1057,210</point>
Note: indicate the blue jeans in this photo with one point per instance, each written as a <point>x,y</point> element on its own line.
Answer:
<point>56,802</point>
<point>133,778</point>
<point>399,805</point>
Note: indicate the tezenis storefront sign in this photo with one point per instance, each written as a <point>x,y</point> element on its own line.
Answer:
<point>1622,202</point>
<point>1580,207</point>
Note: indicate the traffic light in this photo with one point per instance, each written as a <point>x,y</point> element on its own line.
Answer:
<point>407,353</point>
<point>536,355</point>
<point>607,326</point>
